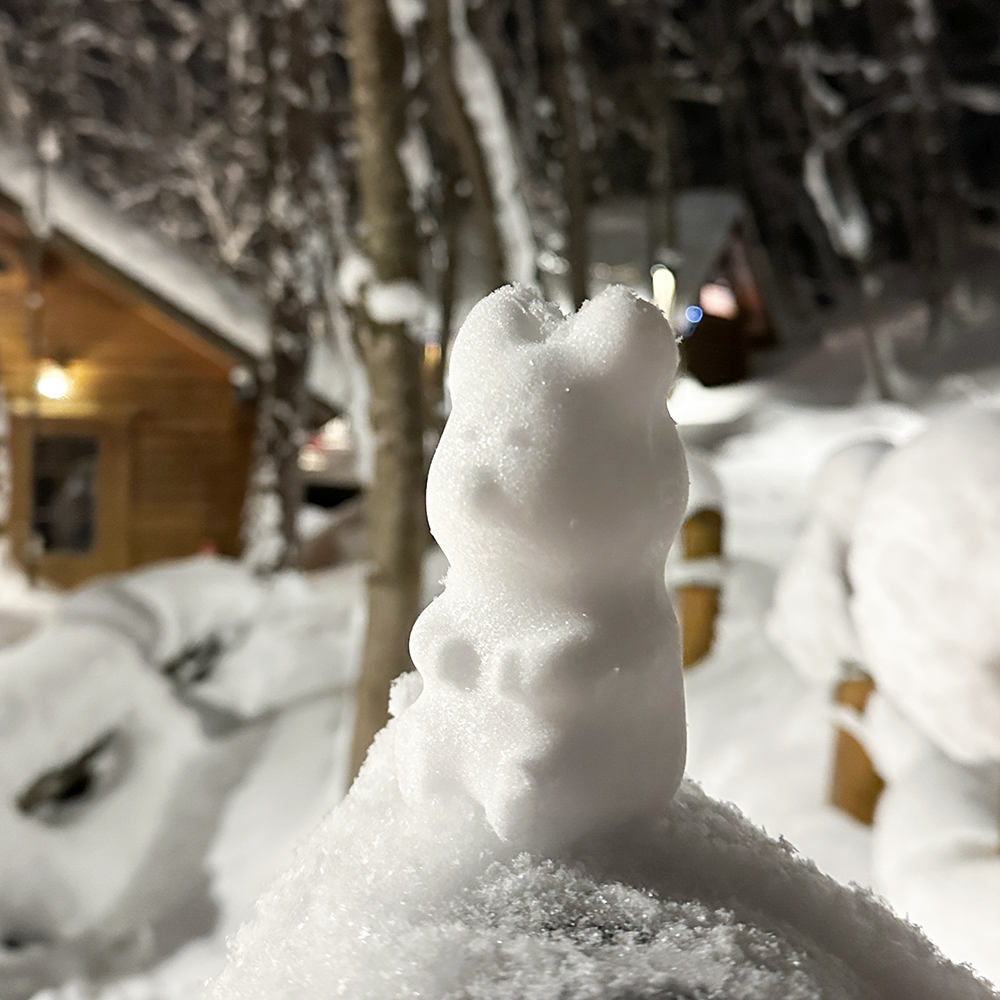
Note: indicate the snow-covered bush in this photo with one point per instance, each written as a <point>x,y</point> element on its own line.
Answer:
<point>155,716</point>
<point>810,620</point>
<point>517,829</point>
<point>925,567</point>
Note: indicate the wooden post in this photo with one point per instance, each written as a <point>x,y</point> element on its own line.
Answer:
<point>855,786</point>
<point>701,538</point>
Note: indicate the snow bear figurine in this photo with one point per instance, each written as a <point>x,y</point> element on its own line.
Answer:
<point>126,742</point>
<point>551,664</point>
<point>925,565</point>
<point>810,620</point>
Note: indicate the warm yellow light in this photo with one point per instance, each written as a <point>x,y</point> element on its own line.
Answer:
<point>53,381</point>
<point>432,355</point>
<point>664,288</point>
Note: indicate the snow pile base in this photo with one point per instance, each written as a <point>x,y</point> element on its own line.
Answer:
<point>389,901</point>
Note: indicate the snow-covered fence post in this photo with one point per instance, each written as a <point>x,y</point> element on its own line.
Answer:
<point>393,360</point>
<point>694,566</point>
<point>812,620</point>
<point>701,537</point>
<point>855,785</point>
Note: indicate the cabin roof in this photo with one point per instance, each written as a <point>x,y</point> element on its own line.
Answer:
<point>212,304</point>
<point>705,221</point>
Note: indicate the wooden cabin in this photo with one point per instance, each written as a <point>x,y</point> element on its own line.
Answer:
<point>128,441</point>
<point>719,304</point>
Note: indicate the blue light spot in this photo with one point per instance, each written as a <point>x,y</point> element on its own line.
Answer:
<point>693,314</point>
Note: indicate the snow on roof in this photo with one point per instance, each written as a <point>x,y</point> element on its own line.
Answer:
<point>703,217</point>
<point>705,220</point>
<point>207,297</point>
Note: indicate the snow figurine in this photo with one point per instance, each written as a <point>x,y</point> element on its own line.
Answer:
<point>517,829</point>
<point>164,739</point>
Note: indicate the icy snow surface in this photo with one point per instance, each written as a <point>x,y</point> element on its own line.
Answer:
<point>420,887</point>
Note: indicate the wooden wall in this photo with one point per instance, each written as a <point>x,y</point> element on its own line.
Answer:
<point>156,393</point>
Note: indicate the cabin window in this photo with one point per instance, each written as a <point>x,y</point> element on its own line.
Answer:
<point>65,499</point>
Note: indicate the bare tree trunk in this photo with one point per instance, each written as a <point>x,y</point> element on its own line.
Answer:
<point>441,72</point>
<point>393,360</point>
<point>445,251</point>
<point>292,288</point>
<point>574,179</point>
<point>661,221</point>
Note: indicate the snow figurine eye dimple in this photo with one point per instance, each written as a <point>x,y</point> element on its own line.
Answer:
<point>551,663</point>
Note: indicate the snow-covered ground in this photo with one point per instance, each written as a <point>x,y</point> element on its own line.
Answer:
<point>759,734</point>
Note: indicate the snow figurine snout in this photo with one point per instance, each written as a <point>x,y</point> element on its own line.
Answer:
<point>552,691</point>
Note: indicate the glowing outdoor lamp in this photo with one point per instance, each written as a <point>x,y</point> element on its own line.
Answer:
<point>664,288</point>
<point>53,381</point>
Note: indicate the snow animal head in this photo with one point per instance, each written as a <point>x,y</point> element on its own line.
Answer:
<point>531,469</point>
<point>810,620</point>
<point>120,744</point>
<point>925,565</point>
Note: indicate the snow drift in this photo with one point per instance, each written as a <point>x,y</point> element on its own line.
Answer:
<point>164,738</point>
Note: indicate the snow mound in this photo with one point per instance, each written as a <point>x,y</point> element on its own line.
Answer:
<point>935,855</point>
<point>810,620</point>
<point>551,664</point>
<point>165,738</point>
<point>925,566</point>
<point>233,640</point>
<point>388,901</point>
